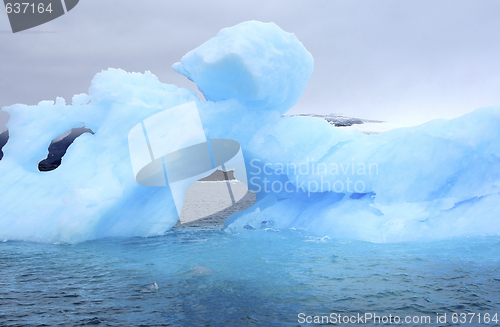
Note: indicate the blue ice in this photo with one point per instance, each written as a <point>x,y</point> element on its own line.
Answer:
<point>437,180</point>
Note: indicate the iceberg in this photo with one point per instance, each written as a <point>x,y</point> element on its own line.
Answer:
<point>437,180</point>
<point>440,179</point>
<point>258,64</point>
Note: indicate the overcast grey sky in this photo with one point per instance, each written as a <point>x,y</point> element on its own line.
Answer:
<point>393,60</point>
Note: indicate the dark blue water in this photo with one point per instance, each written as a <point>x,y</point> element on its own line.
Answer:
<point>259,278</point>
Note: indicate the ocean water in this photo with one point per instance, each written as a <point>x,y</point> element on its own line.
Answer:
<point>257,278</point>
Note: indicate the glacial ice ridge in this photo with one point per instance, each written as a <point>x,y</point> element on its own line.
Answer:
<point>437,180</point>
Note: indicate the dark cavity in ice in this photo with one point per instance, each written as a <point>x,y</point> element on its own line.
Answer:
<point>58,148</point>
<point>4,138</point>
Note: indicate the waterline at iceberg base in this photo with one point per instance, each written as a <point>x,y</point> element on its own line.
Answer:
<point>404,222</point>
